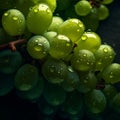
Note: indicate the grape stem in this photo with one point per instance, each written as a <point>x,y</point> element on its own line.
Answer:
<point>12,45</point>
<point>95,3</point>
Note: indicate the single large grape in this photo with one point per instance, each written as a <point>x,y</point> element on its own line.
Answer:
<point>83,60</point>
<point>60,46</point>
<point>54,71</point>
<point>34,93</point>
<point>38,47</point>
<point>39,18</point>
<point>89,41</point>
<point>95,101</point>
<point>111,74</point>
<point>26,77</point>
<point>54,94</point>
<point>83,7</point>
<point>104,55</point>
<point>13,22</point>
<point>10,61</point>
<point>73,28</point>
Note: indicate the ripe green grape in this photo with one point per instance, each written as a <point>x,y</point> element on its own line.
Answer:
<point>38,47</point>
<point>10,61</point>
<point>13,22</point>
<point>71,80</point>
<point>107,1</point>
<point>89,41</point>
<point>26,77</point>
<point>54,70</point>
<point>73,103</point>
<point>103,12</point>
<point>56,22</point>
<point>54,94</point>
<point>73,28</point>
<point>39,18</point>
<point>111,73</point>
<point>87,82</point>
<point>104,55</point>
<point>6,83</point>
<point>95,101</point>
<point>33,93</point>
<point>83,60</point>
<point>50,3</point>
<point>83,7</point>
<point>109,91</point>
<point>60,46</point>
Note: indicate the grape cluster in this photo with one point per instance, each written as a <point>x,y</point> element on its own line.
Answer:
<point>45,57</point>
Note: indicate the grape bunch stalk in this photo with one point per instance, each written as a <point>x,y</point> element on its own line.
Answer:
<point>51,55</point>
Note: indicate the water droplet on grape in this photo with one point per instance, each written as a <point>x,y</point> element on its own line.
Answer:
<point>105,50</point>
<point>78,30</point>
<point>84,55</point>
<point>6,14</point>
<point>110,56</point>
<point>35,10</point>
<point>48,11</point>
<point>80,25</point>
<point>77,61</point>
<point>111,76</point>
<point>88,63</point>
<point>15,18</point>
<point>38,47</point>
<point>67,44</point>
<point>84,38</point>
<point>99,63</point>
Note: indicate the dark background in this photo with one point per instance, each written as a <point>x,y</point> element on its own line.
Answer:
<point>12,108</point>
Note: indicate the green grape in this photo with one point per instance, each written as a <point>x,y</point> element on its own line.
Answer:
<point>50,3</point>
<point>111,74</point>
<point>60,46</point>
<point>89,41</point>
<point>83,7</point>
<point>38,47</point>
<point>103,12</point>
<point>10,61</point>
<point>83,60</point>
<point>107,1</point>
<point>87,82</point>
<point>13,22</point>
<point>54,94</point>
<point>109,91</point>
<point>33,93</point>
<point>50,35</point>
<point>54,70</point>
<point>56,22</point>
<point>73,28</point>
<point>104,55</point>
<point>26,77</point>
<point>91,20</point>
<point>95,101</point>
<point>73,103</point>
<point>6,83</point>
<point>39,18</point>
<point>71,80</point>
<point>115,102</point>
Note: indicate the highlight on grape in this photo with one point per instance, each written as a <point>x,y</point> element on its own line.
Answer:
<point>50,51</point>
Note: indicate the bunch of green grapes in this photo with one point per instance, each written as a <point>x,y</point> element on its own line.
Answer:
<point>61,65</point>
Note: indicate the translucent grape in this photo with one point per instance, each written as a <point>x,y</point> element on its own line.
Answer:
<point>103,12</point>
<point>73,28</point>
<point>13,22</point>
<point>83,7</point>
<point>39,18</point>
<point>104,55</point>
<point>83,60</point>
<point>38,47</point>
<point>107,1</point>
<point>95,101</point>
<point>54,70</point>
<point>54,95</point>
<point>60,46</point>
<point>10,61</point>
<point>26,77</point>
<point>89,41</point>
<point>111,74</point>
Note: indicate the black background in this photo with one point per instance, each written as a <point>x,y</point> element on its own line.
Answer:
<point>12,108</point>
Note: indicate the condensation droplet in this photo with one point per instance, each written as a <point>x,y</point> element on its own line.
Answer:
<point>38,47</point>
<point>99,63</point>
<point>84,55</point>
<point>80,25</point>
<point>48,10</point>
<point>35,10</point>
<point>15,18</point>
<point>84,37</point>
<point>105,50</point>
<point>78,30</point>
<point>110,56</point>
<point>67,44</point>
<point>111,76</point>
<point>6,14</point>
